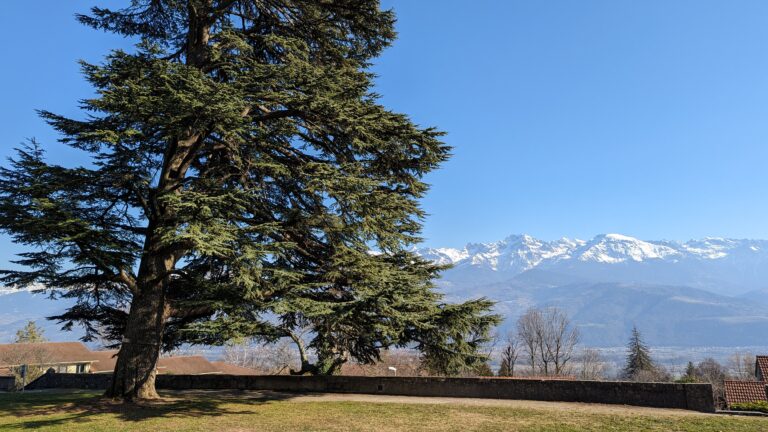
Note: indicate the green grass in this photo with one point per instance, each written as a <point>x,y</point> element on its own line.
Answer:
<point>84,411</point>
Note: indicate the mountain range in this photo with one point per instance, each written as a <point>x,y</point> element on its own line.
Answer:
<point>711,292</point>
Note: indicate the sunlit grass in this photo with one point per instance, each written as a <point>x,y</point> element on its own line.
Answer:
<point>85,411</point>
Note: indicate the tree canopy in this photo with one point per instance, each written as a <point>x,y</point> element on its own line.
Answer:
<point>242,180</point>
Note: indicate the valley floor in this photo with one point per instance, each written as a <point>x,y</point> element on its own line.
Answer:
<point>260,411</point>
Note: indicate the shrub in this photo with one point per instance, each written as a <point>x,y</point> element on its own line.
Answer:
<point>761,406</point>
<point>685,379</point>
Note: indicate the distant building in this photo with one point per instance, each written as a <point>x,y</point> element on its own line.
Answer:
<point>761,368</point>
<point>75,357</point>
<point>749,391</point>
<point>177,365</point>
<point>62,357</point>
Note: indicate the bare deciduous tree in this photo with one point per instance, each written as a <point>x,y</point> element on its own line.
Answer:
<point>509,354</point>
<point>548,340</point>
<point>269,359</point>
<point>561,339</point>
<point>592,365</point>
<point>742,366</point>
<point>710,371</point>
<point>393,362</point>
<point>528,335</point>
<point>658,374</point>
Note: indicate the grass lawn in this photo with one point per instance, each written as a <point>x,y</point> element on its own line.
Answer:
<point>84,411</point>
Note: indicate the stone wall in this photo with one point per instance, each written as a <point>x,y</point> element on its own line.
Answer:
<point>52,379</point>
<point>7,383</point>
<point>696,397</point>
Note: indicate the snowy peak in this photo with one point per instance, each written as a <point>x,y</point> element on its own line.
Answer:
<point>616,248</point>
<point>518,253</point>
<point>443,256</point>
<point>515,253</point>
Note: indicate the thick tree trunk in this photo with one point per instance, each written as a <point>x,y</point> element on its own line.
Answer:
<point>136,368</point>
<point>134,375</point>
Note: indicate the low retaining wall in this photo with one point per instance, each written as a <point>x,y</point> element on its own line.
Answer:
<point>696,397</point>
<point>7,383</point>
<point>52,379</point>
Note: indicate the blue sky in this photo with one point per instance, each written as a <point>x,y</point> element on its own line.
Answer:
<point>567,118</point>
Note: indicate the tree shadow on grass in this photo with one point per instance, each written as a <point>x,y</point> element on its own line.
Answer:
<point>68,407</point>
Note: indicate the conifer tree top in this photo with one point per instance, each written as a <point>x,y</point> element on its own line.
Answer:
<point>638,355</point>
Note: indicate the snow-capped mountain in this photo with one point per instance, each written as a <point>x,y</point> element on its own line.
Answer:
<point>617,248</point>
<point>724,266</point>
<point>514,254</point>
<point>523,252</point>
<point>709,292</point>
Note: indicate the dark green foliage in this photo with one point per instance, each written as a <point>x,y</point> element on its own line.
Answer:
<point>483,370</point>
<point>638,356</point>
<point>241,175</point>
<point>454,334</point>
<point>690,375</point>
<point>685,379</point>
<point>759,406</point>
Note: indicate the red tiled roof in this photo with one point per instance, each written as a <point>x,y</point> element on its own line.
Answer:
<point>51,353</point>
<point>230,369</point>
<point>186,365</point>
<point>181,365</point>
<point>105,361</point>
<point>744,391</point>
<point>761,363</point>
<point>45,353</point>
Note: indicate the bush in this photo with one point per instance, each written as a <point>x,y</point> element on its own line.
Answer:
<point>686,379</point>
<point>761,406</point>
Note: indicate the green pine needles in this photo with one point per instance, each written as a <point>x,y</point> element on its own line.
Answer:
<point>638,357</point>
<point>243,180</point>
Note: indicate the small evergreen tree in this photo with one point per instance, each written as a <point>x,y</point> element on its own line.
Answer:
<point>483,369</point>
<point>30,333</point>
<point>689,376</point>
<point>638,356</point>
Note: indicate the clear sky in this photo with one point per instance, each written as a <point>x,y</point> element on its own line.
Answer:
<point>568,118</point>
